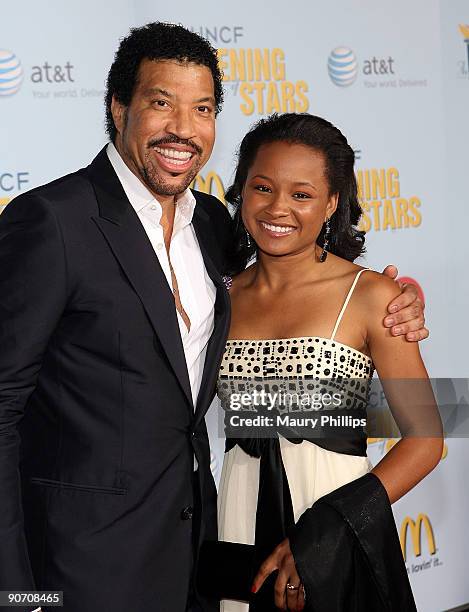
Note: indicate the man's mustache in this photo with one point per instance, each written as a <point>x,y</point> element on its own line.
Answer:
<point>175,140</point>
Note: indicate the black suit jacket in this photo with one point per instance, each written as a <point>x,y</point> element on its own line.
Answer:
<point>97,426</point>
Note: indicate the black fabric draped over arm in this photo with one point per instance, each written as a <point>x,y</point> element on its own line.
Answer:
<point>347,552</point>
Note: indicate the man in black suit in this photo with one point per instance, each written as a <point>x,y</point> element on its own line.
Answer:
<point>113,318</point>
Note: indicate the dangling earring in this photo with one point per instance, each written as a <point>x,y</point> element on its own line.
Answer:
<point>327,233</point>
<point>248,238</point>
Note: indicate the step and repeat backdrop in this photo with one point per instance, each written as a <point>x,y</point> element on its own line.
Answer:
<point>393,76</point>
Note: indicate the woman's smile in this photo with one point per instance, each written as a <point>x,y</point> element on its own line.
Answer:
<point>277,230</point>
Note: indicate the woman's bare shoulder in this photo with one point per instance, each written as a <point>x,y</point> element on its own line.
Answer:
<point>377,289</point>
<point>239,281</point>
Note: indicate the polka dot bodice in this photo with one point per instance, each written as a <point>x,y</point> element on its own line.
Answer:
<point>295,367</point>
<point>296,363</point>
<point>313,357</point>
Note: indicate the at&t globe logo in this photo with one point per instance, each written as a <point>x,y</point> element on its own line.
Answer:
<point>342,66</point>
<point>11,73</point>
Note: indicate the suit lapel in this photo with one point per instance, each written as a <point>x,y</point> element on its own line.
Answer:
<point>129,242</point>
<point>216,345</point>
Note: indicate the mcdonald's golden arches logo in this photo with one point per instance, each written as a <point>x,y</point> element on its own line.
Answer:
<point>211,184</point>
<point>415,528</point>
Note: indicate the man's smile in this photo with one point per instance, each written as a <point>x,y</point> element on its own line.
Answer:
<point>173,158</point>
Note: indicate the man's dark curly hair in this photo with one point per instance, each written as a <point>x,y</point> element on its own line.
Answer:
<point>346,240</point>
<point>156,41</point>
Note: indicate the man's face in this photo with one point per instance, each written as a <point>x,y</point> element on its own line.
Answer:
<point>167,132</point>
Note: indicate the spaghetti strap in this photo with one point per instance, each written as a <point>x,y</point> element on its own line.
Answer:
<point>347,300</point>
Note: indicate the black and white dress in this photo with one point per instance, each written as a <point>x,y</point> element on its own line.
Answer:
<point>312,471</point>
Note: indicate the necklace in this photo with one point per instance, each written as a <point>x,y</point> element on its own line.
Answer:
<point>177,298</point>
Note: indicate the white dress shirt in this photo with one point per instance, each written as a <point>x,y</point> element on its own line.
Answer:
<point>196,289</point>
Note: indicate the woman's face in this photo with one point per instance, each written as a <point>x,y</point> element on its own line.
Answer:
<point>286,198</point>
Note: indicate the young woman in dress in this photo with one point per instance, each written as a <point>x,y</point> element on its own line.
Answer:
<point>304,310</point>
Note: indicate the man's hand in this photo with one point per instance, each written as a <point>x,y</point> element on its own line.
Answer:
<point>406,311</point>
<point>282,560</point>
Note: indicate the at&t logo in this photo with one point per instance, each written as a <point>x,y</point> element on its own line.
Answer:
<point>342,66</point>
<point>11,73</point>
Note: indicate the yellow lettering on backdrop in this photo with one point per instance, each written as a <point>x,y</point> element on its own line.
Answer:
<point>278,64</point>
<point>258,71</point>
<point>288,97</point>
<point>303,103</point>
<point>414,205</point>
<point>250,65</point>
<point>245,90</point>
<point>401,212</point>
<point>392,180</point>
<point>273,101</point>
<point>388,215</point>
<point>237,65</point>
<point>259,87</point>
<point>379,192</point>
<point>375,205</point>
<point>378,183</point>
<point>262,64</point>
